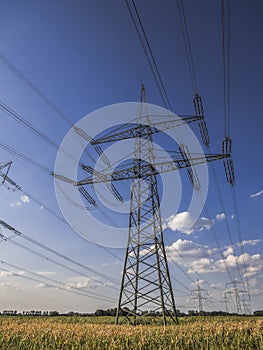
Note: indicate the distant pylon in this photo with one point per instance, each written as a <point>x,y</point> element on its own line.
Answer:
<point>198,292</point>
<point>236,291</point>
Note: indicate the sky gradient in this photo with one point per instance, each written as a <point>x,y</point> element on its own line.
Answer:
<point>80,56</point>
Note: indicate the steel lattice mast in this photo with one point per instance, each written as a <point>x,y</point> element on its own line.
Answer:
<point>146,283</point>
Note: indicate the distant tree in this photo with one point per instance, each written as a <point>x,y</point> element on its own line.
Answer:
<point>258,313</point>
<point>53,313</point>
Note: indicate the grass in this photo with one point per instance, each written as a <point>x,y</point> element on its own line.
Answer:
<point>213,333</point>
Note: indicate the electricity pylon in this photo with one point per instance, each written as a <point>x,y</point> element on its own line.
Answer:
<point>199,296</point>
<point>3,174</point>
<point>146,283</point>
<point>236,291</point>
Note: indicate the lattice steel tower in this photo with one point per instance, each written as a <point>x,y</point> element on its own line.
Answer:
<point>146,283</point>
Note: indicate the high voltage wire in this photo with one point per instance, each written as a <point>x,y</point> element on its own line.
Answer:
<point>194,83</point>
<point>238,225</point>
<point>40,203</point>
<point>52,251</point>
<point>146,45</point>
<point>225,23</point>
<point>226,220</point>
<point>190,62</point>
<point>51,211</point>
<point>65,286</point>
<point>34,88</point>
<point>27,125</point>
<point>27,159</point>
<point>226,49</point>
<point>189,266</point>
<point>24,157</point>
<point>51,104</point>
<point>226,26</point>
<point>187,44</point>
<point>34,163</point>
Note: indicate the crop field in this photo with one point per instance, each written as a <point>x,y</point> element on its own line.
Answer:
<point>100,333</point>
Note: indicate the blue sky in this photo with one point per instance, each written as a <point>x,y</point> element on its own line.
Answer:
<point>86,55</point>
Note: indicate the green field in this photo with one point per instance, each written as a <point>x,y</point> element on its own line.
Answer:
<point>100,333</point>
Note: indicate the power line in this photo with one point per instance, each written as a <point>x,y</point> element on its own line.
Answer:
<point>238,226</point>
<point>149,56</point>
<point>190,267</point>
<point>226,32</point>
<point>33,87</point>
<point>199,107</point>
<point>54,252</point>
<point>187,44</point>
<point>24,157</point>
<point>61,284</point>
<point>37,201</point>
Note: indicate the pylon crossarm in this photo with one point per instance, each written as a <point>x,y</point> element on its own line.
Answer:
<point>130,172</point>
<point>132,130</point>
<point>5,164</point>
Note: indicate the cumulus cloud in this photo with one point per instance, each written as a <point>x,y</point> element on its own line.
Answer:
<point>256,194</point>
<point>220,217</point>
<point>43,285</point>
<point>204,265</point>
<point>250,242</point>
<point>185,223</point>
<point>6,273</point>
<point>202,259</point>
<point>23,200</point>
<point>11,273</point>
<point>4,285</point>
<point>46,273</point>
<point>253,263</point>
<point>82,282</point>
<point>198,283</point>
<point>228,251</point>
<point>188,249</point>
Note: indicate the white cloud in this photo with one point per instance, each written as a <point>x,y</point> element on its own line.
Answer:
<point>256,194</point>
<point>250,242</point>
<point>43,285</point>
<point>220,216</point>
<point>253,263</point>
<point>203,265</point>
<point>82,282</point>
<point>11,273</point>
<point>198,283</point>
<point>228,251</point>
<point>15,204</point>
<point>188,249</point>
<point>46,273</point>
<point>201,259</point>
<point>185,223</point>
<point>23,200</point>
<point>4,285</point>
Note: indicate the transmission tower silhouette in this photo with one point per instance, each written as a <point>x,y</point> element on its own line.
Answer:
<point>199,296</point>
<point>4,170</point>
<point>146,283</point>
<point>242,305</point>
